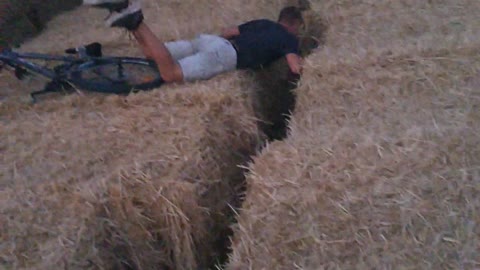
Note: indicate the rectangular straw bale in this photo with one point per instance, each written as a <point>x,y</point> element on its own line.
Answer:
<point>381,170</point>
<point>146,180</point>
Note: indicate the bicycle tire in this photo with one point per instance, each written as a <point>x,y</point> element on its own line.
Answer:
<point>118,75</point>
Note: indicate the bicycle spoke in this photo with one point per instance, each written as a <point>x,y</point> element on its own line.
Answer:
<point>117,76</point>
<point>100,75</point>
<point>120,70</point>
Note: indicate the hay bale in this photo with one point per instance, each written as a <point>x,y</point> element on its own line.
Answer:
<point>378,176</point>
<point>381,166</point>
<point>144,181</point>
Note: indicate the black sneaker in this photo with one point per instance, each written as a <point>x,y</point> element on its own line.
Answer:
<point>129,18</point>
<point>111,5</point>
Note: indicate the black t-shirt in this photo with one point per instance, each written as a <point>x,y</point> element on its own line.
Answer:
<point>261,42</point>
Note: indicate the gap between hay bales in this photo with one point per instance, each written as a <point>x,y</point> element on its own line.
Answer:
<point>275,100</point>
<point>273,103</point>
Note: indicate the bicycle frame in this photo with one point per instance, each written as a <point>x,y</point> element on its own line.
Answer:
<point>15,59</point>
<point>67,74</point>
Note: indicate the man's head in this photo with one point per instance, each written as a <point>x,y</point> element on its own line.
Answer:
<point>291,18</point>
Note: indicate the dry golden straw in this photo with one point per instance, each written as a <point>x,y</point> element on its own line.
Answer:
<point>381,169</point>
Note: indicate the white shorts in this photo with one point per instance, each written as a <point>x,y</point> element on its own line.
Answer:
<point>203,57</point>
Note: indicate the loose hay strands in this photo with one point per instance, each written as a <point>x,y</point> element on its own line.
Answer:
<point>381,169</point>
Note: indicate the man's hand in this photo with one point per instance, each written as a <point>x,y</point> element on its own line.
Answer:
<point>295,63</point>
<point>230,32</point>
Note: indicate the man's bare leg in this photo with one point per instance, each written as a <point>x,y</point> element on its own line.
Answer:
<point>129,15</point>
<point>153,48</point>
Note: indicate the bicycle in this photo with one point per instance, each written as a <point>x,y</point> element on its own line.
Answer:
<point>85,68</point>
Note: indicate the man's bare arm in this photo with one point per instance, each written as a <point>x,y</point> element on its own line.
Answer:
<point>295,63</point>
<point>230,32</point>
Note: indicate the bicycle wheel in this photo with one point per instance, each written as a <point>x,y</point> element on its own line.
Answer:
<point>116,75</point>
